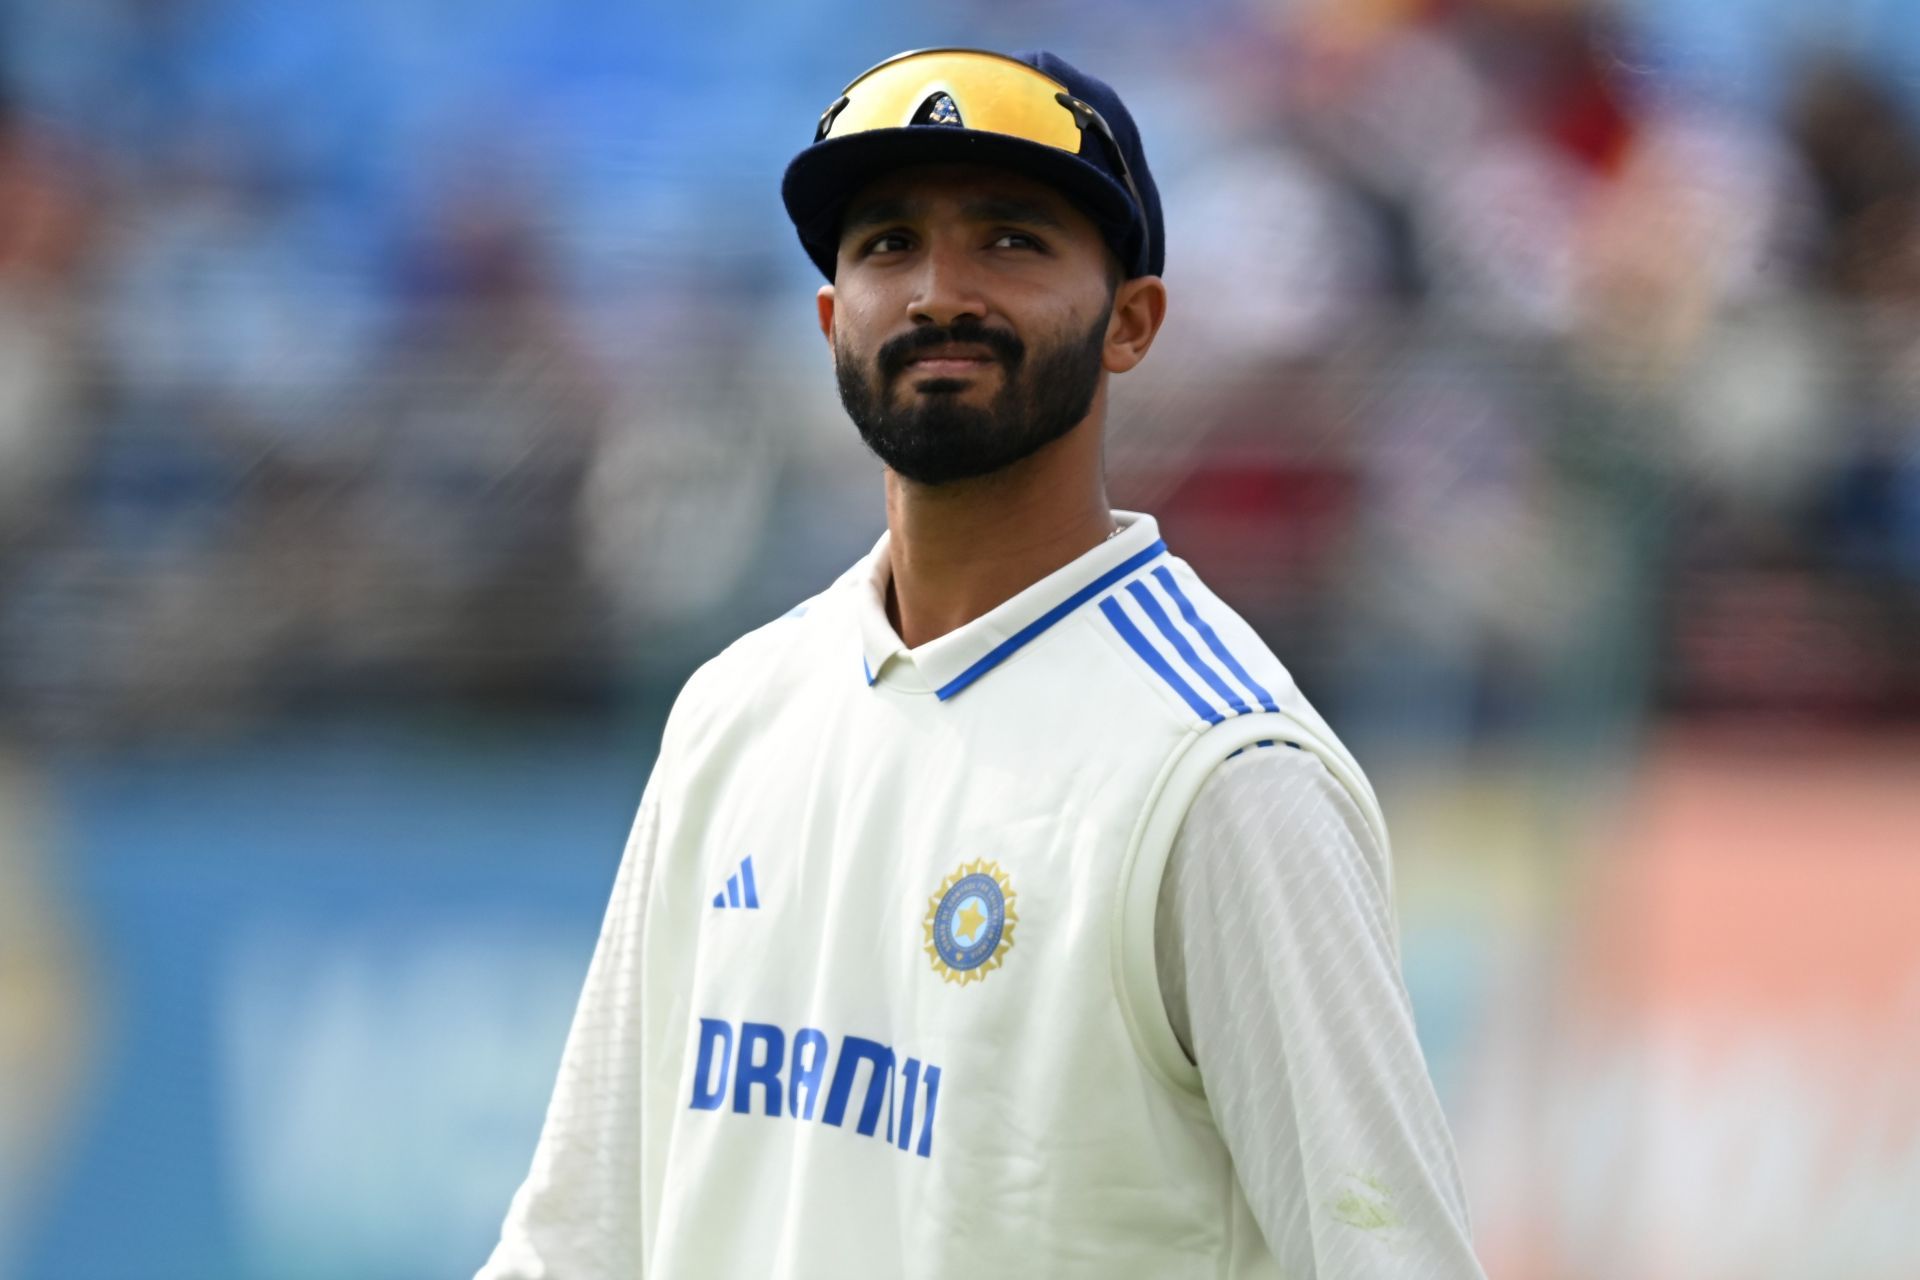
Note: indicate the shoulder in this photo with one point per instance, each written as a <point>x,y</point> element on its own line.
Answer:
<point>766,666</point>
<point>1237,689</point>
<point>761,655</point>
<point>1187,645</point>
<point>1260,752</point>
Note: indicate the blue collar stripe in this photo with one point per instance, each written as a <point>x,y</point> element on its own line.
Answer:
<point>866,667</point>
<point>1159,618</point>
<point>1008,647</point>
<point>1151,656</point>
<point>1206,633</point>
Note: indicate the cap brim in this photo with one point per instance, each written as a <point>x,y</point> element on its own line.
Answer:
<point>821,179</point>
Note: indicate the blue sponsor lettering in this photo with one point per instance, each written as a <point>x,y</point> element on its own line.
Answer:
<point>759,1054</point>
<point>807,1067</point>
<point>767,1074</point>
<point>854,1051</point>
<point>910,1080</point>
<point>713,1031</point>
<point>933,1097</point>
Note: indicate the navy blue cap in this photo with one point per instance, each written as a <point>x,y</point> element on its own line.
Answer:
<point>822,178</point>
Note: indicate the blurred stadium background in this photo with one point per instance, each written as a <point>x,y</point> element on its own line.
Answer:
<point>398,398</point>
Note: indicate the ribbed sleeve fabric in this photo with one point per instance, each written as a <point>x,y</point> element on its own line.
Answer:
<point>1280,971</point>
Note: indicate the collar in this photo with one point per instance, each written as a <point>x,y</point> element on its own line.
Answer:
<point>949,664</point>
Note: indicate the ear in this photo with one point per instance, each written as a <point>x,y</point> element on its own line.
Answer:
<point>823,300</point>
<point>1139,307</point>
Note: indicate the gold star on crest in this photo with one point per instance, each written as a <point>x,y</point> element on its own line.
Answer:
<point>970,921</point>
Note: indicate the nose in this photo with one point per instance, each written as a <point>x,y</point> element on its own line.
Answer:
<point>944,288</point>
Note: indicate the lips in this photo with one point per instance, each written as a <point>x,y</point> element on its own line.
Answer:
<point>951,359</point>
<point>958,352</point>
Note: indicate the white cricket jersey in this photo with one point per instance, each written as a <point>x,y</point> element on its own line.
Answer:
<point>877,994</point>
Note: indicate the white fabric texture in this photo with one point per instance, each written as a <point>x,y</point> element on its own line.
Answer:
<point>1278,964</point>
<point>577,1213</point>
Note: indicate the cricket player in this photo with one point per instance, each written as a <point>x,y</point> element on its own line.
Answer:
<point>1004,909</point>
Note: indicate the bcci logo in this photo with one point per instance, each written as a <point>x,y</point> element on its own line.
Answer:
<point>970,922</point>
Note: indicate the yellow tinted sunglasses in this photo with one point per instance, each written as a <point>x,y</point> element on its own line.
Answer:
<point>975,89</point>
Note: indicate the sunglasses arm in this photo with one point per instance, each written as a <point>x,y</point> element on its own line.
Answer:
<point>1086,117</point>
<point>828,116</point>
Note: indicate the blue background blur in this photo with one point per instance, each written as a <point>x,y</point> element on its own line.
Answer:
<point>398,399</point>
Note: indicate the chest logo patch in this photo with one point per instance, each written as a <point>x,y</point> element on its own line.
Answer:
<point>970,922</point>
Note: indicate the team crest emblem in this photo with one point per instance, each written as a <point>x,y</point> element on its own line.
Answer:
<point>970,922</point>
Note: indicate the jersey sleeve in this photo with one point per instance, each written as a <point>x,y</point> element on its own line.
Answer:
<point>578,1212</point>
<point>1275,946</point>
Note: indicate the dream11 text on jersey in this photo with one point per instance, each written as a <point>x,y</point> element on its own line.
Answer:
<point>719,1059</point>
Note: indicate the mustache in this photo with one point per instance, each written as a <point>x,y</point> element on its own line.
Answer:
<point>896,352</point>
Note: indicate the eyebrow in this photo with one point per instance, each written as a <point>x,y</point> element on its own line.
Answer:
<point>986,209</point>
<point>873,214</point>
<point>1011,209</point>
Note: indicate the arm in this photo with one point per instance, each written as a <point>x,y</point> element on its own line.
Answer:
<point>578,1212</point>
<point>1275,947</point>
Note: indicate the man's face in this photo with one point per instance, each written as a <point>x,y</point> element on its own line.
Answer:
<point>969,318</point>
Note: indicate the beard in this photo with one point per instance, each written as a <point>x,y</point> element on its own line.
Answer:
<point>933,438</point>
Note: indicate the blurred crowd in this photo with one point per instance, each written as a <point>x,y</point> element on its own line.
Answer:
<point>1515,386</point>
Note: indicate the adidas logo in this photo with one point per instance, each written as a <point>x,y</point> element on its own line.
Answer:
<point>732,895</point>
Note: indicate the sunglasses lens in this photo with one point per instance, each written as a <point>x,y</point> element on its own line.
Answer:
<point>988,93</point>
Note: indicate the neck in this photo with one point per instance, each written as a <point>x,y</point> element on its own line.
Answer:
<point>959,550</point>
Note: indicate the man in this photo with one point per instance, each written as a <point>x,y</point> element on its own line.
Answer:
<point>1003,909</point>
